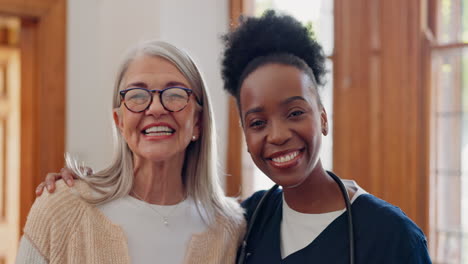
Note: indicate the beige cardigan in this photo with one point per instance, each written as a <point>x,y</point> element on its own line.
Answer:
<point>63,228</point>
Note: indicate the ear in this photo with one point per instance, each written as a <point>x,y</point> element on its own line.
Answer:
<point>324,121</point>
<point>198,122</point>
<point>117,119</point>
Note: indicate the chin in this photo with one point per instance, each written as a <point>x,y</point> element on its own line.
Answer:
<point>155,157</point>
<point>287,182</point>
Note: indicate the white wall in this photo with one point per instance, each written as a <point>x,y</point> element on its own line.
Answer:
<point>99,31</point>
<point>197,26</point>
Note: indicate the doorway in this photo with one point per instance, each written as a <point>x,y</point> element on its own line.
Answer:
<point>32,109</point>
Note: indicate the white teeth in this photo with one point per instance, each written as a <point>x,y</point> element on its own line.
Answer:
<point>161,133</point>
<point>286,158</point>
<point>161,130</point>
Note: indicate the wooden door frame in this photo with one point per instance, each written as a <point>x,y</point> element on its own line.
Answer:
<point>234,147</point>
<point>43,86</point>
<point>381,101</point>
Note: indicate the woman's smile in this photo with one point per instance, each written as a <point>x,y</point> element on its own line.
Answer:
<point>285,159</point>
<point>158,131</point>
<point>157,134</point>
<point>283,122</point>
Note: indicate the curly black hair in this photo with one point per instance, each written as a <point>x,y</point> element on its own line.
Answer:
<point>271,38</point>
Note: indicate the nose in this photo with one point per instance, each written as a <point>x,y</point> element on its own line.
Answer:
<point>278,133</point>
<point>156,108</point>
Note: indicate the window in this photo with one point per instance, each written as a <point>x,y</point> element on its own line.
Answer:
<point>449,160</point>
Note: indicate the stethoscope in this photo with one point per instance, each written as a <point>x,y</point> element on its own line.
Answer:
<point>243,249</point>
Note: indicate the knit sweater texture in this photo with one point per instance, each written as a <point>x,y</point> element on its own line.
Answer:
<point>64,228</point>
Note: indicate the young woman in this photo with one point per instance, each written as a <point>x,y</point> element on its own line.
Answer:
<point>273,67</point>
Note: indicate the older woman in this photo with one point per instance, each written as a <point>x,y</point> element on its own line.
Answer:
<point>159,201</point>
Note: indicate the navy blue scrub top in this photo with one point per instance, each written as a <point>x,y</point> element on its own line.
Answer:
<point>383,234</point>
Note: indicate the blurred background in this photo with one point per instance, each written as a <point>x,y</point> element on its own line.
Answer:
<point>396,96</point>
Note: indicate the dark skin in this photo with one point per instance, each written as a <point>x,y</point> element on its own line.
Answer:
<point>280,124</point>
<point>283,123</point>
<point>52,177</point>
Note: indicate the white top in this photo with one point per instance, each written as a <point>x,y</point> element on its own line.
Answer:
<point>149,239</point>
<point>298,230</point>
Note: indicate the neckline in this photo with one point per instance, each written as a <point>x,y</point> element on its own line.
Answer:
<point>336,225</point>
<point>348,183</point>
<point>164,206</point>
<point>165,212</point>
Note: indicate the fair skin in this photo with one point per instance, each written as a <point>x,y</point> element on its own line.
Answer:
<point>283,123</point>
<point>158,156</point>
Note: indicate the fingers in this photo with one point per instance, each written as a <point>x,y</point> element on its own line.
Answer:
<point>40,188</point>
<point>68,176</point>
<point>50,180</point>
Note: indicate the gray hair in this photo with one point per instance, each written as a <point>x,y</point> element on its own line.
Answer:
<point>199,171</point>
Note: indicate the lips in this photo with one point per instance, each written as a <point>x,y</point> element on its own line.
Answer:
<point>285,159</point>
<point>158,130</point>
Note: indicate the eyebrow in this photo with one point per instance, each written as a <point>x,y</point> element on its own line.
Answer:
<point>293,98</point>
<point>284,102</point>
<point>169,84</point>
<point>175,83</point>
<point>254,110</point>
<point>137,84</point>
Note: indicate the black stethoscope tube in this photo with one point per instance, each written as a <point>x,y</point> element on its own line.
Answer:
<point>350,216</point>
<point>243,250</point>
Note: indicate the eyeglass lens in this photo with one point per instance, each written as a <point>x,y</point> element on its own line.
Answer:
<point>173,99</point>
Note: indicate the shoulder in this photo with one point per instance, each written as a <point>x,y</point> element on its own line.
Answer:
<point>223,236</point>
<point>250,204</point>
<point>52,214</point>
<point>63,201</point>
<point>221,240</point>
<point>64,198</point>
<point>233,228</point>
<point>255,198</point>
<point>374,208</point>
<point>232,221</point>
<point>387,220</point>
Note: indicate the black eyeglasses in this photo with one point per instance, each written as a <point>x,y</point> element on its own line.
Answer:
<point>173,99</point>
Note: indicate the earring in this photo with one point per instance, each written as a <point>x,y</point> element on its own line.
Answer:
<point>194,138</point>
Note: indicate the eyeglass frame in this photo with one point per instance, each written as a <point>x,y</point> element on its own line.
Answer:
<point>160,92</point>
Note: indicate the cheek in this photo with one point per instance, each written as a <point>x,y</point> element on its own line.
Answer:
<point>188,129</point>
<point>128,121</point>
<point>128,124</point>
<point>254,145</point>
<point>313,136</point>
<point>312,126</point>
<point>186,121</point>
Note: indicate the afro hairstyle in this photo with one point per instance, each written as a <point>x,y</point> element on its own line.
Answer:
<point>271,38</point>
